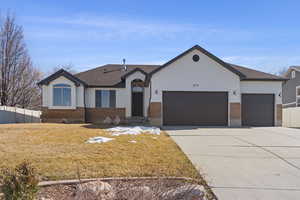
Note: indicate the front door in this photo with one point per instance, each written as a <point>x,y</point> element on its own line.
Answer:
<point>137,104</point>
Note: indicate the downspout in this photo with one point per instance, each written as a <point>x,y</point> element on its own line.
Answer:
<point>84,106</point>
<point>150,96</point>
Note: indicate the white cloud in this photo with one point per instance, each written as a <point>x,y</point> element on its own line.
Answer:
<point>122,24</point>
<point>108,28</point>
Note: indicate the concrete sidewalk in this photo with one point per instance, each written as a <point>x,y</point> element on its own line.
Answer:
<point>245,163</point>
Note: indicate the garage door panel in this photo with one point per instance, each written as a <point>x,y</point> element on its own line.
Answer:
<point>195,108</point>
<point>257,109</point>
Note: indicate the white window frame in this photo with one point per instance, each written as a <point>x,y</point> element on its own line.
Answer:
<point>109,100</point>
<point>107,92</point>
<point>293,74</point>
<point>61,86</point>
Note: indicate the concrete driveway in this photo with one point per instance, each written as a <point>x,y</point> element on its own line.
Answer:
<point>245,163</point>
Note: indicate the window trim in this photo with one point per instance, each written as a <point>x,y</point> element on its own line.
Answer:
<point>111,102</point>
<point>61,86</point>
<point>293,74</point>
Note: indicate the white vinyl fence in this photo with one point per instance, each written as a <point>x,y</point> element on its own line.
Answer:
<point>291,117</point>
<point>18,115</point>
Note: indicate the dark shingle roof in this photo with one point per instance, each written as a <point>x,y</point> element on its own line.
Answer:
<point>295,67</point>
<point>251,74</point>
<point>110,75</point>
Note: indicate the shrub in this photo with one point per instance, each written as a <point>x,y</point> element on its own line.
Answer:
<point>20,183</point>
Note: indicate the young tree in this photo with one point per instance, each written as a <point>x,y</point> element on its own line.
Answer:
<point>18,77</point>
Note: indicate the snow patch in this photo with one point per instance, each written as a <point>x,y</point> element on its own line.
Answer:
<point>133,130</point>
<point>133,141</point>
<point>99,140</point>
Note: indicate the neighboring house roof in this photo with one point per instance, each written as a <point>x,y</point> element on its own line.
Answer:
<point>297,68</point>
<point>112,75</point>
<point>63,73</point>
<point>251,74</point>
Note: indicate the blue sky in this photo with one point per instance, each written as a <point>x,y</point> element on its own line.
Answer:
<point>264,34</point>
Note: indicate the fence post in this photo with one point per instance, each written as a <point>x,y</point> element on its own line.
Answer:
<point>15,115</point>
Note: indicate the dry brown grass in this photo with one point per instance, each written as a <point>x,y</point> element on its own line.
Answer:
<point>59,150</point>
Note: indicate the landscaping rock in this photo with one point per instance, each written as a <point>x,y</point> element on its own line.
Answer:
<point>186,192</point>
<point>136,193</point>
<point>64,121</point>
<point>107,120</point>
<point>117,120</point>
<point>95,190</point>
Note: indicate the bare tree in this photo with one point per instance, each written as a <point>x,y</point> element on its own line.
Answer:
<point>282,71</point>
<point>68,67</point>
<point>18,77</point>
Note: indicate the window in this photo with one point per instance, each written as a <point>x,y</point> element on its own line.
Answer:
<point>293,74</point>
<point>105,98</point>
<point>61,95</point>
<point>137,89</point>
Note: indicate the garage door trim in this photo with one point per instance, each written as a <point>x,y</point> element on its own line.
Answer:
<point>223,92</point>
<point>273,102</point>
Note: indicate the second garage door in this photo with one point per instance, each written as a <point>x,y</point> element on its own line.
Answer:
<point>195,108</point>
<point>257,109</point>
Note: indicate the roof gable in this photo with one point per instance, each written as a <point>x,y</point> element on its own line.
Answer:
<point>134,71</point>
<point>60,73</point>
<point>210,55</point>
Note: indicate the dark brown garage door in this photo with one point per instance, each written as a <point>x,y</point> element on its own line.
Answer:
<point>257,109</point>
<point>195,108</point>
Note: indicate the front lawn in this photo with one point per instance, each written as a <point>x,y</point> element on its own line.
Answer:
<point>59,151</point>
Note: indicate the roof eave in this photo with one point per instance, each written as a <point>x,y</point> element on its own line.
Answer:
<point>264,79</point>
<point>63,73</point>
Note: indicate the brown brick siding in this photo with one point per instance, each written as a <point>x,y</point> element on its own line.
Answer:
<point>63,115</point>
<point>155,113</point>
<point>155,109</point>
<point>97,115</point>
<point>235,114</point>
<point>279,114</point>
<point>235,111</point>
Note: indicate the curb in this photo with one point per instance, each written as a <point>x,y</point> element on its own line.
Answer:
<point>77,181</point>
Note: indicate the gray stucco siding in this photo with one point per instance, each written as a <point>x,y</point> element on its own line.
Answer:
<point>289,89</point>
